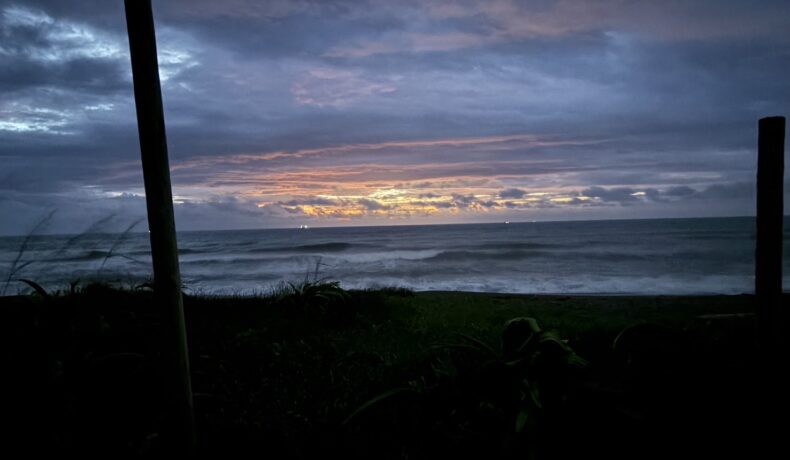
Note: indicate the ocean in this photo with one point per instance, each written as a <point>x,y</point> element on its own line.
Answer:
<point>665,256</point>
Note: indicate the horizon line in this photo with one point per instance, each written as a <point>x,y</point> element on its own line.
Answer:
<point>500,222</point>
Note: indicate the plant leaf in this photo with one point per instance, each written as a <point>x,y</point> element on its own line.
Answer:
<point>479,343</point>
<point>377,400</point>
<point>37,287</point>
<point>521,421</point>
<point>534,393</point>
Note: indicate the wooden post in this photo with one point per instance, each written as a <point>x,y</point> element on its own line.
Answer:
<point>770,213</point>
<point>161,222</point>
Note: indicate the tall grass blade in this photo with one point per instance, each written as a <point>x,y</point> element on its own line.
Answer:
<point>479,343</point>
<point>92,228</point>
<point>378,399</point>
<point>15,267</point>
<point>36,287</point>
<point>120,239</point>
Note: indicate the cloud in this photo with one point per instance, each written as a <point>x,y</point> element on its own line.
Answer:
<point>309,201</point>
<point>617,195</point>
<point>40,51</point>
<point>731,191</point>
<point>681,191</point>
<point>62,75</point>
<point>74,210</point>
<point>717,192</point>
<point>233,213</point>
<point>39,37</point>
<point>472,24</point>
<point>598,107</point>
<point>626,196</point>
<point>512,193</point>
<point>372,205</point>
<point>398,151</point>
<point>271,9</point>
<point>412,42</point>
<point>326,87</point>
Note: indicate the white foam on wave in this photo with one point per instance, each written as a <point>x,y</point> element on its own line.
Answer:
<point>639,257</point>
<point>664,285</point>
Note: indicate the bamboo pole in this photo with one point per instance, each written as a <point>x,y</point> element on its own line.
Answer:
<point>770,213</point>
<point>161,222</point>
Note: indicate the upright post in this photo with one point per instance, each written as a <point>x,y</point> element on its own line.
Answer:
<point>161,222</point>
<point>770,212</point>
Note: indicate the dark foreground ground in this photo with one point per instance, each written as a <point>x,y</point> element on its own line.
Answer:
<point>316,371</point>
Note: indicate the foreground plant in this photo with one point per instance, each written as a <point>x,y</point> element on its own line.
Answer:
<point>509,398</point>
<point>316,293</point>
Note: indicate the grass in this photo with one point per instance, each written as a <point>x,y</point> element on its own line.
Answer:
<point>18,264</point>
<point>119,239</point>
<point>315,371</point>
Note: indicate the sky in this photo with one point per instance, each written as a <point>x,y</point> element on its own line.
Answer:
<point>375,112</point>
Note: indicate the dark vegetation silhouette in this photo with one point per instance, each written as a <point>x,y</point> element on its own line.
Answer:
<point>318,371</point>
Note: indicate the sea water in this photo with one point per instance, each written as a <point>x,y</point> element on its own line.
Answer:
<point>664,256</point>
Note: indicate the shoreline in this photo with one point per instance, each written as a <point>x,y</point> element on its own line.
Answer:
<point>582,295</point>
<point>268,293</point>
